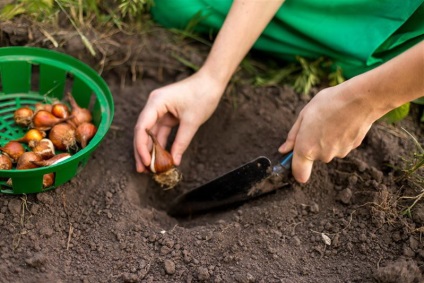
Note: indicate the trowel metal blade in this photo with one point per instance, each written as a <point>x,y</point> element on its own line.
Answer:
<point>230,188</point>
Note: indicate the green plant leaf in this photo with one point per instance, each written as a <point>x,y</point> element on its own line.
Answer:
<point>419,100</point>
<point>397,114</point>
<point>336,77</point>
<point>276,77</point>
<point>10,11</point>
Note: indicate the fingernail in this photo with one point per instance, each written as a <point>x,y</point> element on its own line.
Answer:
<point>282,148</point>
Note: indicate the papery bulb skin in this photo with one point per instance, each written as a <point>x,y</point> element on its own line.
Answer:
<point>60,110</point>
<point>161,159</point>
<point>32,137</point>
<point>79,114</point>
<point>63,137</point>
<point>162,165</point>
<point>48,180</point>
<point>13,150</point>
<point>26,160</point>
<point>44,148</point>
<point>44,120</point>
<point>84,133</point>
<point>53,160</point>
<point>23,116</point>
<point>41,106</point>
<point>5,162</point>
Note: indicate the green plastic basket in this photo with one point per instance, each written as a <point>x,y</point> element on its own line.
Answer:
<point>31,75</point>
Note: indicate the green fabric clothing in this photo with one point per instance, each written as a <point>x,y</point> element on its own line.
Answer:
<point>357,35</point>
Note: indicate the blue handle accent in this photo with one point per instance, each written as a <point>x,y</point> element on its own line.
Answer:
<point>284,165</point>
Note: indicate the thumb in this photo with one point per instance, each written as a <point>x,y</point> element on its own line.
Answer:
<point>301,168</point>
<point>182,140</point>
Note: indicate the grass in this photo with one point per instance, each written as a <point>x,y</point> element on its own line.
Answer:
<point>413,173</point>
<point>82,15</point>
<point>303,75</point>
<point>82,12</point>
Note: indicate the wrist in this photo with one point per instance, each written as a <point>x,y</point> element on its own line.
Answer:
<point>360,100</point>
<point>372,95</point>
<point>220,76</point>
<point>216,82</point>
<point>393,83</point>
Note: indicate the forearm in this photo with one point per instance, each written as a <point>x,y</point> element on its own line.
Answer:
<point>244,24</point>
<point>394,83</point>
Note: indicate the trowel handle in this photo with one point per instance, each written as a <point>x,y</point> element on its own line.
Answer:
<point>284,165</point>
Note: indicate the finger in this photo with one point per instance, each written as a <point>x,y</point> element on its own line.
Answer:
<point>142,140</point>
<point>301,168</point>
<point>141,152</point>
<point>182,140</point>
<point>288,145</point>
<point>163,134</point>
<point>138,163</point>
<point>164,128</point>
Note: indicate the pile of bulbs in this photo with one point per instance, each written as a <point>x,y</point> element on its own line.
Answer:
<point>51,127</point>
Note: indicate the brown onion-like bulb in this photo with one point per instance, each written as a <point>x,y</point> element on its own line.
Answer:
<point>60,110</point>
<point>48,180</point>
<point>85,132</point>
<point>79,114</point>
<point>40,106</point>
<point>161,159</point>
<point>26,160</point>
<point>23,116</point>
<point>5,162</point>
<point>53,160</point>
<point>162,165</point>
<point>13,150</point>
<point>44,120</point>
<point>44,148</point>
<point>32,137</point>
<point>63,136</point>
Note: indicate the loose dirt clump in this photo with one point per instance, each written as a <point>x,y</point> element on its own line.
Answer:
<point>109,224</point>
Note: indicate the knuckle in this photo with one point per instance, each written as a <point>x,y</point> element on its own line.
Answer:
<point>137,127</point>
<point>342,155</point>
<point>357,143</point>
<point>155,93</point>
<point>327,158</point>
<point>307,152</point>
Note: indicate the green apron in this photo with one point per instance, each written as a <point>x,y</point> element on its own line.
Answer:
<point>357,35</point>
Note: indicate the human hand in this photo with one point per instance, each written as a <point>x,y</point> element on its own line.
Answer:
<point>188,103</point>
<point>333,123</point>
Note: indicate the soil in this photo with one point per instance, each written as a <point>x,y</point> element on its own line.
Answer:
<point>109,223</point>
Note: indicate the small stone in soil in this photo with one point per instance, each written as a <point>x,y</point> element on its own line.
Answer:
<point>169,266</point>
<point>296,241</point>
<point>15,206</point>
<point>203,273</point>
<point>45,198</point>
<point>314,208</point>
<point>345,196</point>
<point>37,260</point>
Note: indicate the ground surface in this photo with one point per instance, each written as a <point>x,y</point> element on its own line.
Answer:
<point>108,224</point>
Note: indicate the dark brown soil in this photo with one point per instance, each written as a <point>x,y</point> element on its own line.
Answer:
<point>109,223</point>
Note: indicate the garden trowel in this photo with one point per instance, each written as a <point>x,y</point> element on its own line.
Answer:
<point>246,182</point>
